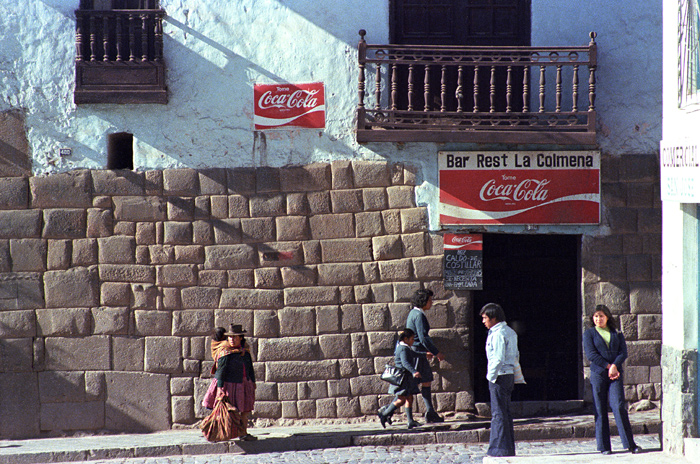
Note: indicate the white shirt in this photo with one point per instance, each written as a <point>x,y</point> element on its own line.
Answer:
<point>501,351</point>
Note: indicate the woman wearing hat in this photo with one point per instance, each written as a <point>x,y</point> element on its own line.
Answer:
<point>235,376</point>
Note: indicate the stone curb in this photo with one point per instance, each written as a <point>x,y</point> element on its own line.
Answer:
<point>280,439</point>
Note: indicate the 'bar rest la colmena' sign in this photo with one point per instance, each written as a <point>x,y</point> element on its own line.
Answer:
<point>519,187</point>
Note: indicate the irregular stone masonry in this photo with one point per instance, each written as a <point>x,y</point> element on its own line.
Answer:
<point>112,281</point>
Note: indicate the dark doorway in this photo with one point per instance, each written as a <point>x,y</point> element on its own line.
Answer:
<point>459,22</point>
<point>535,278</point>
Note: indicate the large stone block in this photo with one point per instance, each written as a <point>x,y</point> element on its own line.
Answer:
<point>335,346</point>
<point>401,196</point>
<point>15,156</point>
<point>180,209</point>
<point>116,250</point>
<point>645,298</point>
<point>288,349</point>
<point>20,223</point>
<point>346,201</point>
<point>292,228</point>
<point>381,343</point>
<point>21,291</point>
<point>177,233</point>
<point>16,355</point>
<point>77,354</point>
<point>428,267</point>
<point>346,250</point>
<point>299,276</point>
<point>117,182</point>
<point>300,371</point>
<point>351,318</point>
<point>649,326</point>
<point>64,190</point>
<point>137,402</point>
<point>19,407</point>
<point>230,257</point>
<point>259,229</point>
<point>396,270</point>
<point>341,175</point>
<point>140,209</point>
<point>368,224</point>
<point>325,226</point>
<point>192,322</point>
<point>268,205</point>
<point>110,321</point>
<point>340,274</point>
<point>59,254</point>
<point>200,297</point>
<point>315,176</point>
<point>639,168</point>
<point>183,409</point>
<point>182,181</point>
<point>17,324</point>
<point>414,245</point>
<point>375,199</point>
<point>267,179</point>
<point>376,317</point>
<point>265,324</point>
<point>308,296</point>
<point>176,275</point>
<point>241,181</point>
<point>297,321</point>
<point>348,407</point>
<point>245,317</point>
<point>61,387</point>
<point>84,252</point>
<point>387,247</point>
<point>327,319</point>
<point>64,223</point>
<point>76,287</point>
<point>163,355</point>
<point>28,254</point>
<point>268,277</point>
<point>644,353</point>
<point>243,298</point>
<point>153,322</point>
<point>64,322</point>
<point>127,273</point>
<point>414,220</point>
<point>128,353</point>
<point>367,385</point>
<point>371,174</point>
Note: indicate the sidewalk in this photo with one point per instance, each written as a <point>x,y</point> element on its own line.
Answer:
<point>305,437</point>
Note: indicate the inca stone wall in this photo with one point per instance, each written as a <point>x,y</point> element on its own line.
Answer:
<point>622,267</point>
<point>680,409</point>
<point>111,282</point>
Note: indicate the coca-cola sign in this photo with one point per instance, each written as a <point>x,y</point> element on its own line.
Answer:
<point>519,187</point>
<point>290,105</point>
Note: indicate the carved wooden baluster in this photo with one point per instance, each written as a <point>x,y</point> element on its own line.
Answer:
<point>79,39</point>
<point>476,89</point>
<point>492,90</point>
<point>542,91</point>
<point>591,89</point>
<point>105,38</point>
<point>158,38</point>
<point>378,86</point>
<point>558,109</point>
<point>132,39</point>
<point>526,89</point>
<point>509,88</point>
<point>394,86</point>
<point>361,56</point>
<point>574,95</point>
<point>443,89</point>
<point>144,37</point>
<point>426,88</point>
<point>120,56</point>
<point>411,93</point>
<point>93,39</point>
<point>459,91</point>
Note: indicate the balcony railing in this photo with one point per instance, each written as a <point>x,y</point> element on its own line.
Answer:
<point>414,93</point>
<point>119,56</point>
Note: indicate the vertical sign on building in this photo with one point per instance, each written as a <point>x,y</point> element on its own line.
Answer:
<point>279,106</point>
<point>463,261</point>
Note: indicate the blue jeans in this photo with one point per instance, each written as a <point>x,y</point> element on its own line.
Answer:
<point>502,435</point>
<point>606,391</point>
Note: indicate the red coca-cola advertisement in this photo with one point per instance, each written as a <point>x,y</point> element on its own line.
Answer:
<point>290,105</point>
<point>482,188</point>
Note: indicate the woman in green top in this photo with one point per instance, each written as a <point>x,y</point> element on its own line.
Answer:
<point>606,350</point>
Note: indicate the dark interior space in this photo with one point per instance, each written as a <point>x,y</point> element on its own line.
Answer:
<point>535,278</point>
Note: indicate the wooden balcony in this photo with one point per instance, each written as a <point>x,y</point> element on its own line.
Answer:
<point>119,57</point>
<point>528,95</point>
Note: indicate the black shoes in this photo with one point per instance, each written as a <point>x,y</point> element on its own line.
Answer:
<point>606,452</point>
<point>413,424</point>
<point>383,419</point>
<point>433,418</point>
<point>636,450</point>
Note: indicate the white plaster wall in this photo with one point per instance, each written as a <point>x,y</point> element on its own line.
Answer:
<point>680,227</point>
<point>216,50</point>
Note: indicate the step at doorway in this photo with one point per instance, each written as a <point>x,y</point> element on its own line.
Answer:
<point>536,279</point>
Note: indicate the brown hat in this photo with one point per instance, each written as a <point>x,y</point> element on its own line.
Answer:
<point>235,329</point>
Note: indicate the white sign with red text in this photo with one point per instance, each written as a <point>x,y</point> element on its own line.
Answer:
<point>290,105</point>
<point>519,187</point>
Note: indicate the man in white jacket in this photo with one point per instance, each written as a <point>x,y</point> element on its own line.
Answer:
<point>503,357</point>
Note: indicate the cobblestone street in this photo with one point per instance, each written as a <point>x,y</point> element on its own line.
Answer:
<point>424,454</point>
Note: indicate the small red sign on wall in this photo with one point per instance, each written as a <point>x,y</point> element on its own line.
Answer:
<point>290,105</point>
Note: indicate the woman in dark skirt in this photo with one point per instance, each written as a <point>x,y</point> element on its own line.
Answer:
<point>406,358</point>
